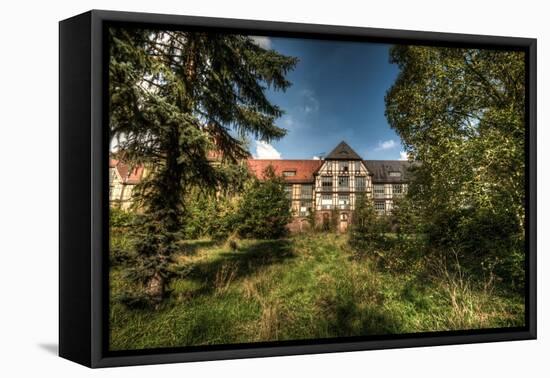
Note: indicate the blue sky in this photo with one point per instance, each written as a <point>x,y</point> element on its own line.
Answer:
<point>337,94</point>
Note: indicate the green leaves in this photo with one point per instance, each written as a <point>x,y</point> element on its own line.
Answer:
<point>368,229</point>
<point>460,112</point>
<point>174,98</point>
<point>264,210</point>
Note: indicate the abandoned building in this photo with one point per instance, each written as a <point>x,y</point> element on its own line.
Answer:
<point>329,186</point>
<point>332,185</point>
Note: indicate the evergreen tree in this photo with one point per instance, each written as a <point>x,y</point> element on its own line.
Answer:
<point>368,228</point>
<point>175,96</point>
<point>264,210</point>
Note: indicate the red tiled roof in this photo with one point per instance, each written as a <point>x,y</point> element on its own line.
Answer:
<point>129,176</point>
<point>113,163</point>
<point>304,168</point>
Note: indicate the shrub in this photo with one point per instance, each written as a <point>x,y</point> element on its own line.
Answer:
<point>264,209</point>
<point>121,245</point>
<point>120,218</point>
<point>368,229</point>
<point>209,216</point>
<point>488,243</point>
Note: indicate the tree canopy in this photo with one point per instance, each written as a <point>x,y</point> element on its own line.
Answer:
<point>176,96</point>
<point>461,113</point>
<point>264,210</point>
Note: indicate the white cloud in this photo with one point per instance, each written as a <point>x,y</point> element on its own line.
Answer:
<point>316,158</point>
<point>403,155</point>
<point>265,150</point>
<point>287,120</point>
<point>263,42</point>
<point>311,104</point>
<point>386,145</point>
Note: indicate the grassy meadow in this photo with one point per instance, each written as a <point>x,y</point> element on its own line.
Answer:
<point>303,287</point>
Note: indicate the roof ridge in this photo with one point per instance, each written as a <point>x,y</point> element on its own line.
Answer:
<point>343,152</point>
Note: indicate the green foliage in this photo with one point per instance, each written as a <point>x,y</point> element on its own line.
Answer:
<point>305,287</point>
<point>210,216</point>
<point>264,210</point>
<point>368,229</point>
<point>486,243</point>
<point>119,218</point>
<point>461,113</point>
<point>174,97</point>
<point>312,219</point>
<point>121,246</point>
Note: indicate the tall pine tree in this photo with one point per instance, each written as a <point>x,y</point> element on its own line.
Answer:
<point>175,96</point>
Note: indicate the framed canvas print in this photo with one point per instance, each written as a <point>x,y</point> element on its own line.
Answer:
<point>234,188</point>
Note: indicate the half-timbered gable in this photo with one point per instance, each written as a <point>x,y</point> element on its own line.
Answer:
<point>342,177</point>
<point>122,180</point>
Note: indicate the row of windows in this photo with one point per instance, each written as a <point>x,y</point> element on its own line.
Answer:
<point>379,190</point>
<point>343,183</point>
<point>343,169</point>
<point>342,202</point>
<point>306,192</point>
<point>343,166</point>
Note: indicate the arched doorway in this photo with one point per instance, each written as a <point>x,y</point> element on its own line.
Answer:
<point>326,221</point>
<point>344,218</point>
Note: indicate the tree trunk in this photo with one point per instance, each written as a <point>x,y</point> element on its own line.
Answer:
<point>155,288</point>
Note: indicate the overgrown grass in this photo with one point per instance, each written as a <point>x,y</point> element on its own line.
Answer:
<point>308,286</point>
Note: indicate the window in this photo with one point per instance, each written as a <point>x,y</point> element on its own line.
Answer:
<point>288,191</point>
<point>305,207</point>
<point>343,201</point>
<point>344,217</point>
<point>326,201</point>
<point>326,183</point>
<point>306,191</point>
<point>289,173</point>
<point>379,206</point>
<point>360,183</point>
<point>397,190</point>
<point>343,182</point>
<point>395,174</point>
<point>379,191</point>
<point>343,166</point>
<point>357,166</point>
<point>306,199</point>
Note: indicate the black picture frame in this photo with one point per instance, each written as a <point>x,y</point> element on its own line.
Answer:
<point>83,195</point>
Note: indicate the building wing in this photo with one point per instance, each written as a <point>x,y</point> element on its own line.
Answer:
<point>293,171</point>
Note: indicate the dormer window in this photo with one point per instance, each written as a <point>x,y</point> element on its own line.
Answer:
<point>395,174</point>
<point>289,173</point>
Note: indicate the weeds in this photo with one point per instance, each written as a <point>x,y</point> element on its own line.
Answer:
<point>310,286</point>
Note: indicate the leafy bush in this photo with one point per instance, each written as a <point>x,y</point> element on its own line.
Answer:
<point>120,218</point>
<point>368,230</point>
<point>488,243</point>
<point>208,216</point>
<point>264,209</point>
<point>121,245</point>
